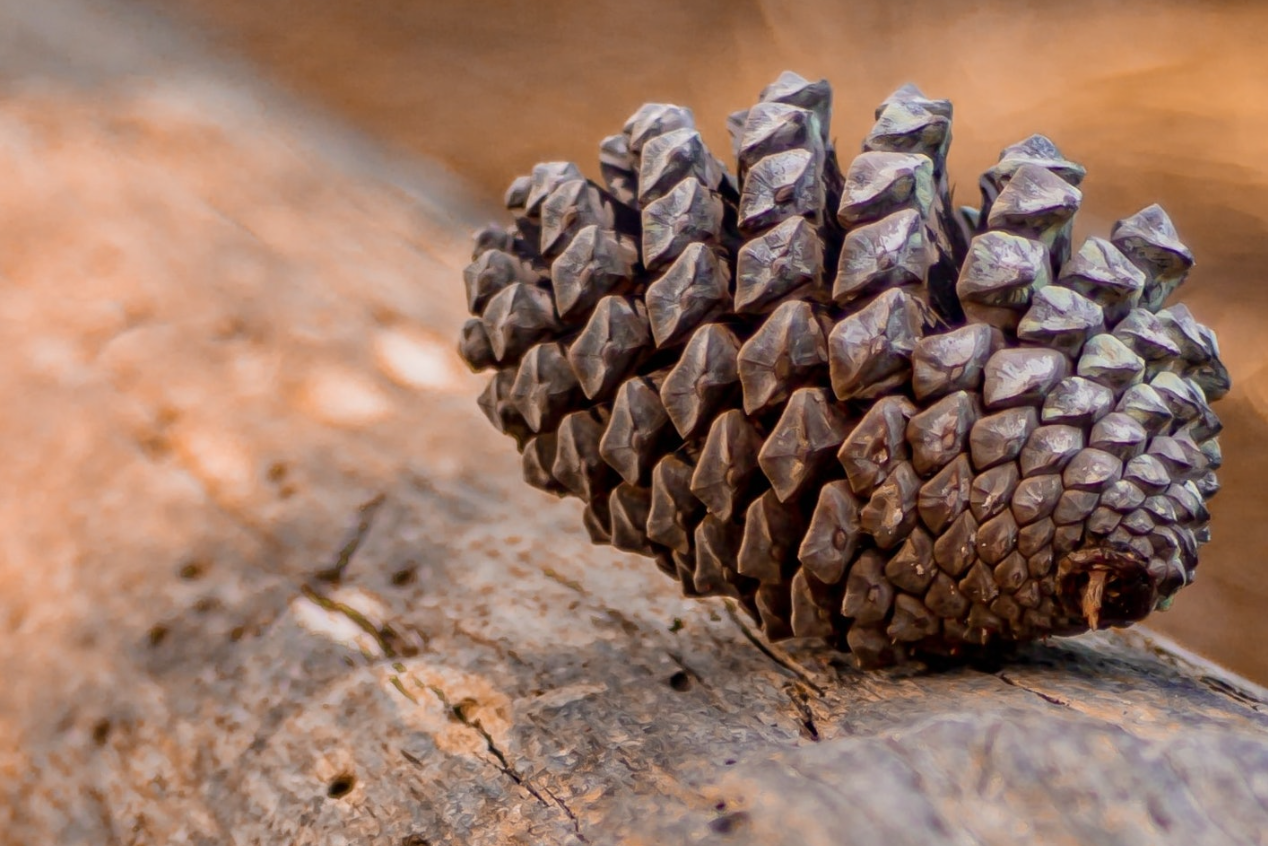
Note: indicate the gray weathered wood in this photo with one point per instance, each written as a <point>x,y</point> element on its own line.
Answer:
<point>268,577</point>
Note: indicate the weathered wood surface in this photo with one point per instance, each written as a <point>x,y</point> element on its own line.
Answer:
<point>267,576</point>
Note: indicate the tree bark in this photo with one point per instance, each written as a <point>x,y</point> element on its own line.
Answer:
<point>268,577</point>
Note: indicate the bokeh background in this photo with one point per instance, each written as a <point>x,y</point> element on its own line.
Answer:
<point>1162,101</point>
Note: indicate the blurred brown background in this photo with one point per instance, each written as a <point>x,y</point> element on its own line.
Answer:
<point>1163,101</point>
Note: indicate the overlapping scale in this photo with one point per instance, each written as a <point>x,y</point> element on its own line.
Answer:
<point>817,388</point>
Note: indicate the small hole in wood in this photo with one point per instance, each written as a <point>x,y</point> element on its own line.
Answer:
<point>680,681</point>
<point>341,785</point>
<point>729,823</point>
<point>192,570</point>
<point>206,604</point>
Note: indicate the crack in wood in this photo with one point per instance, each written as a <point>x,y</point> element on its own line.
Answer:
<point>1046,697</point>
<point>384,636</point>
<point>1223,688</point>
<point>786,663</point>
<point>365,520</point>
<point>458,714</point>
<point>563,806</point>
<point>801,704</point>
<point>557,577</point>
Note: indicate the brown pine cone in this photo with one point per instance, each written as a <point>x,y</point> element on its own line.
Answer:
<point>870,417</point>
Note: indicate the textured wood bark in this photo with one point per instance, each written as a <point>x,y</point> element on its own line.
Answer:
<point>268,577</point>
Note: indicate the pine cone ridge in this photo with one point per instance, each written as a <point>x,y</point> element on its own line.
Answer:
<point>910,429</point>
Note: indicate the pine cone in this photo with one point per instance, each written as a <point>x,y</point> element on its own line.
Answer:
<point>866,415</point>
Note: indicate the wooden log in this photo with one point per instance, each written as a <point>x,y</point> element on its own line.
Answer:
<point>269,577</point>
